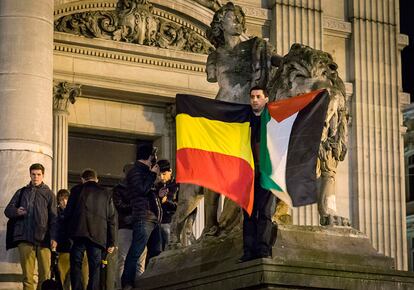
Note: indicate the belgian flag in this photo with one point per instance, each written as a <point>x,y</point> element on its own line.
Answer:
<point>213,147</point>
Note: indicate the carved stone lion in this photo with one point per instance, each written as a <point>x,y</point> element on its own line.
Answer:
<point>303,70</point>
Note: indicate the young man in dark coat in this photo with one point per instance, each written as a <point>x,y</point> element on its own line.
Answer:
<point>90,219</point>
<point>146,210</point>
<point>33,213</point>
<point>258,227</point>
<point>124,209</point>
<point>167,193</point>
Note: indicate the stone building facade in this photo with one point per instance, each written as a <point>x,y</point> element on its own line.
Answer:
<point>83,82</point>
<point>408,114</point>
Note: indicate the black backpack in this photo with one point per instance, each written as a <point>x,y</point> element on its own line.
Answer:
<point>54,282</point>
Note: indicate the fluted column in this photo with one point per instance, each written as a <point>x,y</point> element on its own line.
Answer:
<point>378,159</point>
<point>296,21</point>
<point>301,22</point>
<point>26,73</point>
<point>64,94</point>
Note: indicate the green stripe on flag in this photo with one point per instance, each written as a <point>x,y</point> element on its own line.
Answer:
<point>265,163</point>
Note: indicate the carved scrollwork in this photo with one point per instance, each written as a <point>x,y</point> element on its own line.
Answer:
<point>133,21</point>
<point>64,93</point>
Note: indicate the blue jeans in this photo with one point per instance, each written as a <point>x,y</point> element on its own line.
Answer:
<point>142,230</point>
<point>165,235</point>
<point>94,254</point>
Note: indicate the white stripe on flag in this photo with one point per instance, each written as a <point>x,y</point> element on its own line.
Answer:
<point>278,135</point>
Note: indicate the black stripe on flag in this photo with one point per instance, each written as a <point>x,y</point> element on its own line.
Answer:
<point>212,109</point>
<point>303,151</point>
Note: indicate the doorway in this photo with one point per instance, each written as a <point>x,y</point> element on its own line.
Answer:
<point>105,151</point>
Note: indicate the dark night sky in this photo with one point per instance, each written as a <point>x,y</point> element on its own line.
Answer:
<point>407,27</point>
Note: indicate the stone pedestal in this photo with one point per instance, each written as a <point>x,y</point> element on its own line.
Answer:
<point>303,257</point>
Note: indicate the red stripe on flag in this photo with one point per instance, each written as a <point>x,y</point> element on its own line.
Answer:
<point>280,110</point>
<point>225,174</point>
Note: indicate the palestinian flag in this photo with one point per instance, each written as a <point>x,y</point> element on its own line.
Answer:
<point>213,147</point>
<point>291,131</point>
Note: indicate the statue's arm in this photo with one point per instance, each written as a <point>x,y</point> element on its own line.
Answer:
<point>211,67</point>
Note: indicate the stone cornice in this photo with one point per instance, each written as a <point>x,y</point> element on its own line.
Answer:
<point>309,5</point>
<point>257,16</point>
<point>256,13</point>
<point>337,27</point>
<point>404,99</point>
<point>83,6</point>
<point>403,41</point>
<point>126,52</point>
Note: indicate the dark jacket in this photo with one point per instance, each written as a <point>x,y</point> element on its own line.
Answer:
<point>141,192</point>
<point>90,214</point>
<point>64,244</point>
<point>38,226</point>
<point>169,207</point>
<point>122,205</point>
<point>255,123</point>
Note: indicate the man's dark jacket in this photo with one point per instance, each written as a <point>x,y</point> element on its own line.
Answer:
<point>63,242</point>
<point>141,192</point>
<point>169,207</point>
<point>122,205</point>
<point>39,225</point>
<point>90,214</point>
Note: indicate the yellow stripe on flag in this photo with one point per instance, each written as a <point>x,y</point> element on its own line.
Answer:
<point>215,136</point>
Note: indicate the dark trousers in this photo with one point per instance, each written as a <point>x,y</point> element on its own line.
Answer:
<point>165,230</point>
<point>143,232</point>
<point>94,254</point>
<point>258,228</point>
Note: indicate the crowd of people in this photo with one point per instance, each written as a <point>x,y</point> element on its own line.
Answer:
<point>90,224</point>
<point>85,226</point>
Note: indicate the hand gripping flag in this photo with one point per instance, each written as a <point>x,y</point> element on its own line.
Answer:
<point>213,147</point>
<point>291,131</point>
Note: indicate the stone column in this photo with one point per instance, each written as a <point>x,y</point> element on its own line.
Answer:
<point>302,23</point>
<point>26,76</point>
<point>293,22</point>
<point>377,161</point>
<point>170,122</point>
<point>64,94</point>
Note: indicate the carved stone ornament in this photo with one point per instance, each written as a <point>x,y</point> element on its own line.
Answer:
<point>210,4</point>
<point>170,114</point>
<point>134,21</point>
<point>63,94</point>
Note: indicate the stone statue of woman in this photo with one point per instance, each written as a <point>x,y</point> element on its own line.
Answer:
<point>237,66</point>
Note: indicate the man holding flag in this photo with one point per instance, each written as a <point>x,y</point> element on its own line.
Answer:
<point>257,227</point>
<point>229,140</point>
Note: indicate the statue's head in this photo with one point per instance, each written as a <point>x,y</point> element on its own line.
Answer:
<point>305,69</point>
<point>229,19</point>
